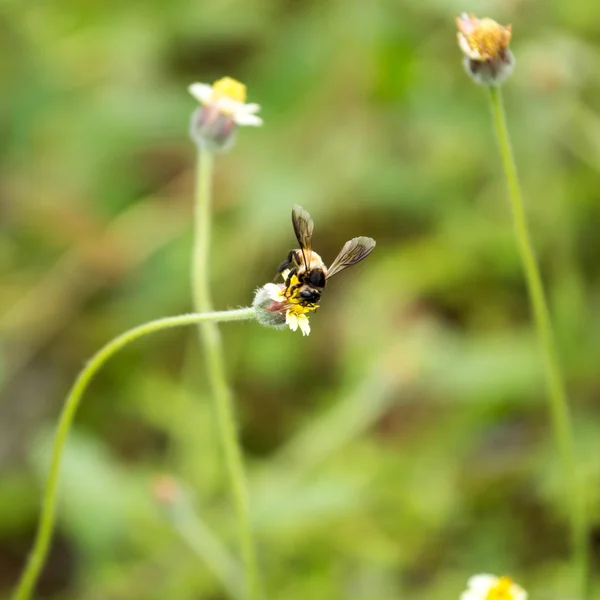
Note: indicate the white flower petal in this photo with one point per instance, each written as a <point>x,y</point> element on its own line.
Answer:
<point>467,50</point>
<point>251,108</point>
<point>518,592</point>
<point>276,292</point>
<point>471,595</point>
<point>242,118</point>
<point>229,106</point>
<point>291,320</point>
<point>201,91</point>
<point>304,324</point>
<point>482,583</point>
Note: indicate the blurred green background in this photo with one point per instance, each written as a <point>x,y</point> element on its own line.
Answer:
<point>405,444</point>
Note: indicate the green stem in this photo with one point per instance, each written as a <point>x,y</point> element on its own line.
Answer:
<point>43,537</point>
<point>202,230</point>
<point>559,407</point>
<point>211,340</point>
<point>209,549</point>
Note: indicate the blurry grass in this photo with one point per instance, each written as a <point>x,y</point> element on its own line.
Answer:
<point>79,274</point>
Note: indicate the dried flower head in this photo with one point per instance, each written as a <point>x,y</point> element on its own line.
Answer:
<point>275,307</point>
<point>484,44</point>
<point>223,108</point>
<point>166,490</point>
<point>490,587</point>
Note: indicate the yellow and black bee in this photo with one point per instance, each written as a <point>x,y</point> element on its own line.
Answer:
<point>304,270</point>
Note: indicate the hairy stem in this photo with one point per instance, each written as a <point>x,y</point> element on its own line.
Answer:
<point>558,404</point>
<point>211,340</point>
<point>43,537</point>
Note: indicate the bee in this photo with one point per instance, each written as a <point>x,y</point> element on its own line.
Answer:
<point>304,270</point>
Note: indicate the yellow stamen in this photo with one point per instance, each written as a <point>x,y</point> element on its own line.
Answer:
<point>229,88</point>
<point>299,309</point>
<point>484,36</point>
<point>501,591</point>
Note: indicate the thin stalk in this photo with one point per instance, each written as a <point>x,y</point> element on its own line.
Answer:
<point>559,406</point>
<point>211,340</point>
<point>43,537</point>
<point>202,230</point>
<point>209,549</point>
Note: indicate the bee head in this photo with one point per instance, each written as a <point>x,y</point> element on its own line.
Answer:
<point>309,295</point>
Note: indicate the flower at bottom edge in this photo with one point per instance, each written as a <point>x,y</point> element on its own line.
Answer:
<point>490,587</point>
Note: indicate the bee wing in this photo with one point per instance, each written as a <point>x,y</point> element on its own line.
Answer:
<point>354,251</point>
<point>303,228</point>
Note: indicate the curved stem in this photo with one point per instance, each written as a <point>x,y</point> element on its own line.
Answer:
<point>211,340</point>
<point>559,407</point>
<point>45,528</point>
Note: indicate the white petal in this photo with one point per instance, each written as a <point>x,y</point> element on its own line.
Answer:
<point>304,324</point>
<point>242,118</point>
<point>251,108</point>
<point>201,91</point>
<point>291,320</point>
<point>471,595</point>
<point>518,592</point>
<point>482,583</point>
<point>229,106</point>
<point>467,50</point>
<point>276,292</point>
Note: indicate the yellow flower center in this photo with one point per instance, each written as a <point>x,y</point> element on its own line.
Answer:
<point>501,591</point>
<point>297,310</point>
<point>229,88</point>
<point>488,38</point>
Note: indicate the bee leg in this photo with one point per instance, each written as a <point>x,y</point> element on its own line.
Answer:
<point>288,279</point>
<point>291,290</point>
<point>283,266</point>
<point>286,263</point>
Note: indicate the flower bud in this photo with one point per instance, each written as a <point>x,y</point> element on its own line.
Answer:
<point>484,43</point>
<point>269,311</point>
<point>212,130</point>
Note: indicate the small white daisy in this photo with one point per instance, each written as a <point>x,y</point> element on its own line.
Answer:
<point>296,314</point>
<point>490,587</point>
<point>228,97</point>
